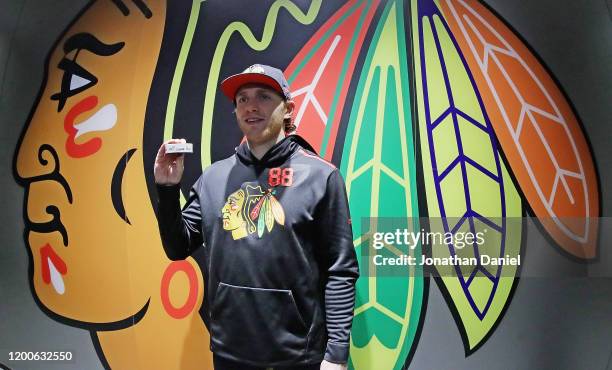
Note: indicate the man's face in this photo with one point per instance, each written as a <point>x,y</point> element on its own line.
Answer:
<point>87,213</point>
<point>260,112</point>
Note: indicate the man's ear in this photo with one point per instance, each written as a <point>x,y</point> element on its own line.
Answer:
<point>290,106</point>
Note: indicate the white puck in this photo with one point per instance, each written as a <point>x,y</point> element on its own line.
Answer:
<point>179,148</point>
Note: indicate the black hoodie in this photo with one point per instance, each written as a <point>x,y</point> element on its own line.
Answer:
<point>280,263</point>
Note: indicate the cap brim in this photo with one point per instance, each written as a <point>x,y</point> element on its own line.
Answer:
<point>230,85</point>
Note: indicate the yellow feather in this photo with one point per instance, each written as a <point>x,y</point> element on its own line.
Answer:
<point>277,211</point>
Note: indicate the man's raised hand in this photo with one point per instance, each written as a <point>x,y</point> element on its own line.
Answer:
<point>168,168</point>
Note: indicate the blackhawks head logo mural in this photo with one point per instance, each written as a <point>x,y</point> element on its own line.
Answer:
<point>251,210</point>
<point>430,108</point>
<point>96,261</point>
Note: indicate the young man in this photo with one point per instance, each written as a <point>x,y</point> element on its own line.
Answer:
<point>274,223</point>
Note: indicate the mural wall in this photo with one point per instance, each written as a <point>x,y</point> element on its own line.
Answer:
<point>436,111</point>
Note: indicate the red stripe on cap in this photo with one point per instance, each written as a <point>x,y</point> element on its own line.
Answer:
<point>230,85</point>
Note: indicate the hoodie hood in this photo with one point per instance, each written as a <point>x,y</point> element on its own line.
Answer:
<point>277,155</point>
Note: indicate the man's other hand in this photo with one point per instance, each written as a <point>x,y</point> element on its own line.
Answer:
<point>326,365</point>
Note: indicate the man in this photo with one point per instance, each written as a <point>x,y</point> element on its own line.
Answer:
<point>274,223</point>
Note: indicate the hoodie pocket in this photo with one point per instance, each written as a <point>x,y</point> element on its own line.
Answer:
<point>256,324</point>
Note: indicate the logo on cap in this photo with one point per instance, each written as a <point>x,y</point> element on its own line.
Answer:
<point>256,68</point>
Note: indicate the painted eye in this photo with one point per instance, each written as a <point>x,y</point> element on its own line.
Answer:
<point>75,80</point>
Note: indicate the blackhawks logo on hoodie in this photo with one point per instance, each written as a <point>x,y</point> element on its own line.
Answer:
<point>251,209</point>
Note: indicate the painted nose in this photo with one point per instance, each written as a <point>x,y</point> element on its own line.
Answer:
<point>41,146</point>
<point>35,159</point>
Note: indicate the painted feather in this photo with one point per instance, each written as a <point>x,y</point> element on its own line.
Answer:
<point>277,210</point>
<point>261,221</point>
<point>378,165</point>
<point>320,73</point>
<point>269,217</point>
<point>467,185</point>
<point>257,209</point>
<point>535,124</point>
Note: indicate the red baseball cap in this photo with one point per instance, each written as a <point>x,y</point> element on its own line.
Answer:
<point>258,74</point>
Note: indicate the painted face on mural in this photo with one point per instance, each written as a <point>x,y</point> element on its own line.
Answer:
<point>87,212</point>
<point>260,112</point>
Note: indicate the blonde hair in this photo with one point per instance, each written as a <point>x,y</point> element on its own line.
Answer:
<point>289,126</point>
